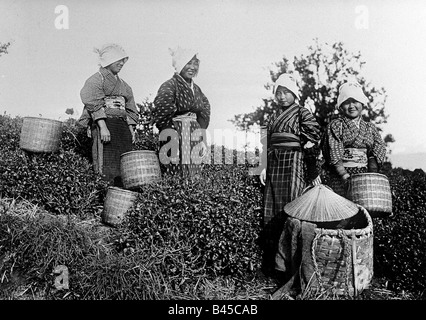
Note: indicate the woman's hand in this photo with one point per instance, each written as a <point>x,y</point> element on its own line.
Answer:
<point>203,150</point>
<point>308,145</point>
<point>89,132</point>
<point>346,181</point>
<point>346,177</point>
<point>262,176</point>
<point>104,132</point>
<point>132,131</point>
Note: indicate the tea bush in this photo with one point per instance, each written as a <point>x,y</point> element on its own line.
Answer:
<point>206,225</point>
<point>10,129</point>
<point>400,240</point>
<point>74,138</point>
<point>62,183</point>
<point>217,215</point>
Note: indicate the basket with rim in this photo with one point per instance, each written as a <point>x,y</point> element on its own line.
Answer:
<point>40,135</point>
<point>334,247</point>
<point>117,202</point>
<point>139,167</point>
<point>372,191</point>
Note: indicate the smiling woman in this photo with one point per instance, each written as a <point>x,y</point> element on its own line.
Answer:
<point>351,145</point>
<point>181,114</point>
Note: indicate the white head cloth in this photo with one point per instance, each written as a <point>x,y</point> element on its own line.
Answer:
<point>288,81</point>
<point>180,57</point>
<point>110,53</point>
<point>351,90</point>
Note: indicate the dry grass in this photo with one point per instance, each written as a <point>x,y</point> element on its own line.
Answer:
<point>33,242</point>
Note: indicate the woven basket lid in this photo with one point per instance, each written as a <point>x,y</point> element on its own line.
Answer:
<point>320,204</point>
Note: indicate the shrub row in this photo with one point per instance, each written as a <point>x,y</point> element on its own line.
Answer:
<point>216,217</point>
<point>214,221</point>
<point>400,240</point>
<point>62,182</point>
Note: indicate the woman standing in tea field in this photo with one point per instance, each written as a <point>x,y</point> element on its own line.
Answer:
<point>181,114</point>
<point>351,145</point>
<point>110,113</point>
<point>293,137</point>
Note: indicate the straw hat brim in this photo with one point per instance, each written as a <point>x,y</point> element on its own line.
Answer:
<point>321,204</point>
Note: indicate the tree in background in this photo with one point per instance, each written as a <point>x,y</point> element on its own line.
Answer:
<point>320,73</point>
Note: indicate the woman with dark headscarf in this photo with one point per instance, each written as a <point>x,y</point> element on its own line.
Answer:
<point>182,114</point>
<point>110,112</point>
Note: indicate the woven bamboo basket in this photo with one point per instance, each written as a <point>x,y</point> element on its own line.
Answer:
<point>372,191</point>
<point>342,259</point>
<point>40,135</point>
<point>139,167</point>
<point>117,202</point>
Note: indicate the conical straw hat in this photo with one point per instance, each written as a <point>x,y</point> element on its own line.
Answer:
<point>320,204</point>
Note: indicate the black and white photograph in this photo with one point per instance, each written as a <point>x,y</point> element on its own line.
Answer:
<point>216,156</point>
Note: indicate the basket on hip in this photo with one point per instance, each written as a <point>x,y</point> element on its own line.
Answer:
<point>372,191</point>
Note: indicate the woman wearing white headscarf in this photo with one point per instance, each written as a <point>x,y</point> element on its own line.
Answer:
<point>181,111</point>
<point>351,145</point>
<point>293,137</point>
<point>110,112</point>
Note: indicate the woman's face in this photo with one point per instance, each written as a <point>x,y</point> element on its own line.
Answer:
<point>351,108</point>
<point>284,97</point>
<point>190,70</point>
<point>115,67</point>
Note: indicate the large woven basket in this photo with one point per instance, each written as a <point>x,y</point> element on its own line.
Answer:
<point>117,202</point>
<point>40,135</point>
<point>372,191</point>
<point>139,167</point>
<point>342,259</point>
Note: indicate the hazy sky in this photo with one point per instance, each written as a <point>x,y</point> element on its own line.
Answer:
<point>237,40</point>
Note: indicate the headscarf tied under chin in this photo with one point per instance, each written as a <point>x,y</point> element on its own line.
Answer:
<point>351,90</point>
<point>180,57</point>
<point>110,53</point>
<point>287,80</point>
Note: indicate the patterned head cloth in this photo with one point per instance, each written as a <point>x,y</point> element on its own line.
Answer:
<point>110,53</point>
<point>351,90</point>
<point>180,57</point>
<point>287,80</point>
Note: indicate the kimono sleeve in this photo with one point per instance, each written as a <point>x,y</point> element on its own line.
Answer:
<point>267,127</point>
<point>333,145</point>
<point>92,95</point>
<point>310,132</point>
<point>203,116</point>
<point>85,119</point>
<point>378,149</point>
<point>309,127</point>
<point>131,110</point>
<point>164,105</point>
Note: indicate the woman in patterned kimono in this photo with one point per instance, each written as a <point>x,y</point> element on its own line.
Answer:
<point>110,113</point>
<point>293,137</point>
<point>351,145</point>
<point>181,114</point>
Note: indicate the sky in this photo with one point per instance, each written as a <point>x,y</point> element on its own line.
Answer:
<point>238,41</point>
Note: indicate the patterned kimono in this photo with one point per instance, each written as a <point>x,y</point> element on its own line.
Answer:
<point>351,146</point>
<point>96,92</point>
<point>289,166</point>
<point>183,108</point>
